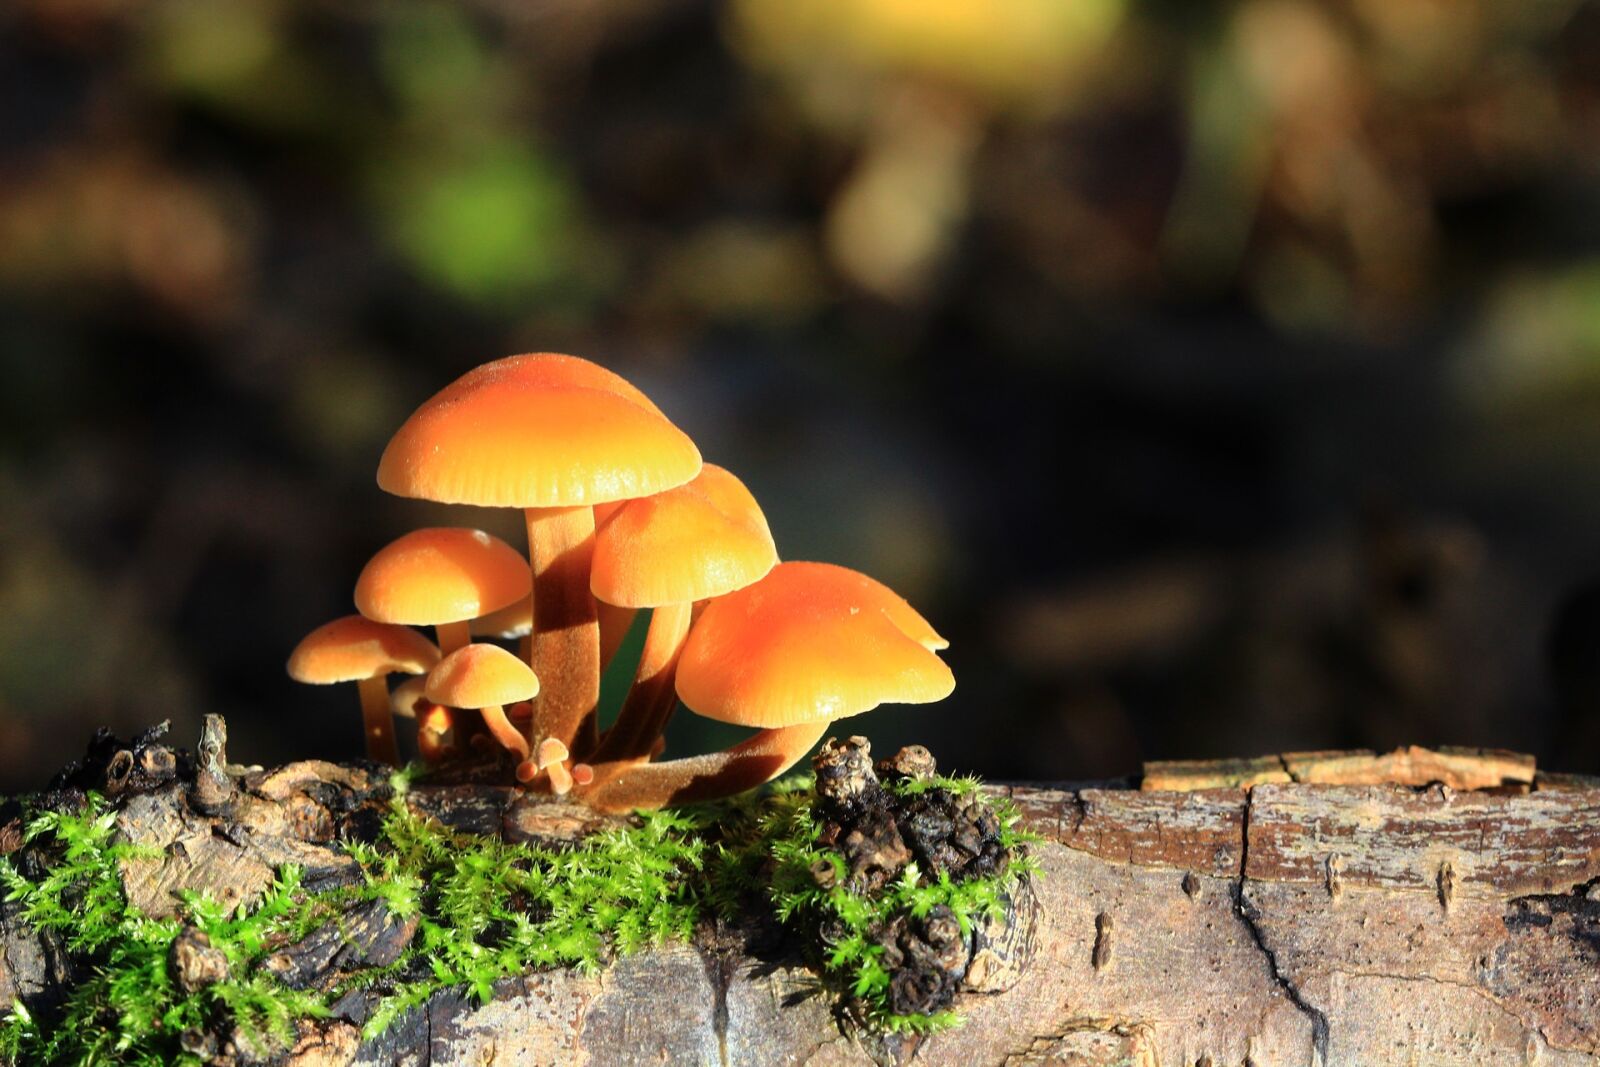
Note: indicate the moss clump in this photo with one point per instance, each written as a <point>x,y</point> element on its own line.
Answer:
<point>474,910</point>
<point>125,1004</point>
<point>887,915</point>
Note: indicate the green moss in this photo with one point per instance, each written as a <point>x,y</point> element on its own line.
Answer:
<point>851,963</point>
<point>485,910</point>
<point>126,1007</point>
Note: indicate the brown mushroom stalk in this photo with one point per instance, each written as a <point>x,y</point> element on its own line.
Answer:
<point>377,721</point>
<point>504,731</point>
<point>752,762</point>
<point>650,703</point>
<point>452,635</point>
<point>615,623</point>
<point>565,647</point>
<point>515,623</point>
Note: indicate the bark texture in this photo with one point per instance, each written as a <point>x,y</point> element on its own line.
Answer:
<point>1322,908</point>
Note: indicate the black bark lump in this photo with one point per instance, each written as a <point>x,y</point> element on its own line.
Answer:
<point>881,819</point>
<point>194,961</point>
<point>845,782</point>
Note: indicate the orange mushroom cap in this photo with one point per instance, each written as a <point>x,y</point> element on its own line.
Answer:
<point>892,604</point>
<point>808,643</point>
<point>439,575</point>
<point>481,676</point>
<point>537,431</point>
<point>352,648</point>
<point>700,540</point>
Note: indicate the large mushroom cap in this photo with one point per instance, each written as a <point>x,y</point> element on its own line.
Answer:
<point>809,642</point>
<point>481,676</point>
<point>537,431</point>
<point>700,540</point>
<point>353,648</point>
<point>441,575</point>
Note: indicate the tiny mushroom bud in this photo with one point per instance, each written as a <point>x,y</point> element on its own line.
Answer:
<point>550,758</point>
<point>356,649</point>
<point>485,678</point>
<point>442,577</point>
<point>807,644</point>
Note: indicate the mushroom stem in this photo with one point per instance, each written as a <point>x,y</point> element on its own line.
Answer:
<point>744,766</point>
<point>565,650</point>
<point>494,717</point>
<point>377,721</point>
<point>652,699</point>
<point>614,625</point>
<point>452,635</point>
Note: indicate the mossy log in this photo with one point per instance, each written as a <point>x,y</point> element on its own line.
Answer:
<point>1332,908</point>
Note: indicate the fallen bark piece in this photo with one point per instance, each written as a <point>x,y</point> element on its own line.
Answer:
<point>1458,768</point>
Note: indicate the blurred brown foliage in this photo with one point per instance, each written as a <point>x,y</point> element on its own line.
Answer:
<point>1221,378</point>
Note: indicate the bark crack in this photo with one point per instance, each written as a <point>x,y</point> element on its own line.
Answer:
<point>1247,915</point>
<point>427,1025</point>
<point>719,969</point>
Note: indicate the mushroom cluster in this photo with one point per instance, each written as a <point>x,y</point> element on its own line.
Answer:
<point>622,515</point>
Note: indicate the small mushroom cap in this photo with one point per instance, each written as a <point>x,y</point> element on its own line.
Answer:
<point>537,431</point>
<point>697,541</point>
<point>516,618</point>
<point>353,648</point>
<point>808,643</point>
<point>441,574</point>
<point>481,676</point>
<point>407,695</point>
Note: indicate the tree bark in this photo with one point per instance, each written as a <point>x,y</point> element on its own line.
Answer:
<point>1323,908</point>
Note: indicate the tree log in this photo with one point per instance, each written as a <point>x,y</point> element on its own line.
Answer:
<point>1296,910</point>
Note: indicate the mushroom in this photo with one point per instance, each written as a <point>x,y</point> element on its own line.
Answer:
<point>664,552</point>
<point>807,644</point>
<point>442,577</point>
<point>554,435</point>
<point>357,649</point>
<point>436,724</point>
<point>485,678</point>
<point>551,758</point>
<point>436,732</point>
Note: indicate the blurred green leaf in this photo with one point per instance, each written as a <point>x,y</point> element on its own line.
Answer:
<point>431,57</point>
<point>491,227</point>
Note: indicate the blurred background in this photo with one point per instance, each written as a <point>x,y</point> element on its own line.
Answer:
<point>1220,378</point>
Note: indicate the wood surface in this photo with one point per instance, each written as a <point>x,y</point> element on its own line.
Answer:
<point>1338,908</point>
